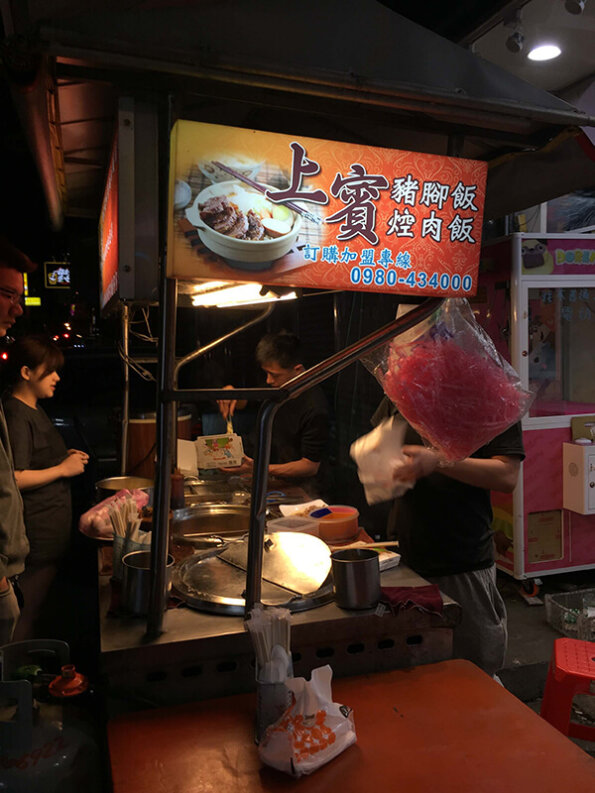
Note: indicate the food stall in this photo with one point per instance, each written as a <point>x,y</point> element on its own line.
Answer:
<point>298,267</point>
<point>347,244</point>
<point>536,299</point>
<point>188,654</point>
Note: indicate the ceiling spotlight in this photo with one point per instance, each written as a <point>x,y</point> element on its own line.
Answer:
<point>574,6</point>
<point>513,21</point>
<point>545,52</point>
<point>514,43</point>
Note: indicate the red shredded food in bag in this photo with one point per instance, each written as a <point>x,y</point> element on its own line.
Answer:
<point>456,399</point>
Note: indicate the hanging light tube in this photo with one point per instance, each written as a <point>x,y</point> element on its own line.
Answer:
<point>224,293</point>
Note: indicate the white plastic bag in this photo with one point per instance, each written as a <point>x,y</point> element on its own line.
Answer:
<point>313,729</point>
<point>377,454</point>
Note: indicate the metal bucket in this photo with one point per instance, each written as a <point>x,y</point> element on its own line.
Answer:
<point>356,574</point>
<point>142,429</point>
<point>136,581</point>
<point>108,487</point>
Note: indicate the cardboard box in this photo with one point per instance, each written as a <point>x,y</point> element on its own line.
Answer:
<point>209,451</point>
<point>219,451</point>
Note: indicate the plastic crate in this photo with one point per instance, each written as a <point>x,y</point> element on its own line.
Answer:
<point>565,612</point>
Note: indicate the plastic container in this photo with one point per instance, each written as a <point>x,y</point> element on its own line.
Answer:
<point>272,700</point>
<point>340,525</point>
<point>308,525</point>
<point>569,613</point>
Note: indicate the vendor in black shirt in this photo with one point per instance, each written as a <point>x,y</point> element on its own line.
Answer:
<point>443,525</point>
<point>300,427</point>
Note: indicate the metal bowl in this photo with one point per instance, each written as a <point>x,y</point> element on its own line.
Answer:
<point>203,520</point>
<point>199,491</point>
<point>107,487</point>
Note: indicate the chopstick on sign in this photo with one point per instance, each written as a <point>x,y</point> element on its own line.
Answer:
<point>262,189</point>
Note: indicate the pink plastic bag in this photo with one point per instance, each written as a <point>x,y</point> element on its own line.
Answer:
<point>96,522</point>
<point>447,379</point>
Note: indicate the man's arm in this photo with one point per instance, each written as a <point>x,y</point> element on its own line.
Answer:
<point>227,407</point>
<point>499,472</point>
<point>296,469</point>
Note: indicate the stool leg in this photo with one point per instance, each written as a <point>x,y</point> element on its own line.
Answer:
<point>557,701</point>
<point>582,731</point>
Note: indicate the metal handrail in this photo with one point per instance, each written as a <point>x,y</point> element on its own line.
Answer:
<point>293,388</point>
<point>208,347</point>
<point>271,401</point>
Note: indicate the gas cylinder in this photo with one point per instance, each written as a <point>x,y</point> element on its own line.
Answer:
<point>47,732</point>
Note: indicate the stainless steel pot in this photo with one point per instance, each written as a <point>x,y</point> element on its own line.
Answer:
<point>107,487</point>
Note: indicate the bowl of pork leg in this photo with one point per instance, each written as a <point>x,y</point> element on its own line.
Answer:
<point>242,225</point>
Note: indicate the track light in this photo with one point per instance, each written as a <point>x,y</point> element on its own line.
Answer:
<point>515,41</point>
<point>574,6</point>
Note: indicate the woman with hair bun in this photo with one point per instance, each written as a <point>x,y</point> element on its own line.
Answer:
<point>43,468</point>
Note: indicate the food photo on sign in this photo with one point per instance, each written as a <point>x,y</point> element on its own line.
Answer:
<point>247,205</point>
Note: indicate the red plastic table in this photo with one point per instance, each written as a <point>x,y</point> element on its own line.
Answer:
<point>446,727</point>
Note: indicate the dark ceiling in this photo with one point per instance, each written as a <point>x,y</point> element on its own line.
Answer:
<point>454,21</point>
<point>22,207</point>
<point>23,211</point>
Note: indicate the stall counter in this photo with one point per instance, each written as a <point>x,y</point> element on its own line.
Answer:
<point>446,727</point>
<point>201,655</point>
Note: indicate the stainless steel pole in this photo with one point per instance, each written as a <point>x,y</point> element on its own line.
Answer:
<point>126,395</point>
<point>258,506</point>
<point>165,429</point>
<point>168,295</point>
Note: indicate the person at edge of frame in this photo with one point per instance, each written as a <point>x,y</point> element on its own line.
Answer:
<point>14,545</point>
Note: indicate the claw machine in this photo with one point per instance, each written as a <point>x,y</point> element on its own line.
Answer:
<point>536,299</point>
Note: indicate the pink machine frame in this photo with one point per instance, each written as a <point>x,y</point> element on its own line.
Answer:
<point>502,306</point>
